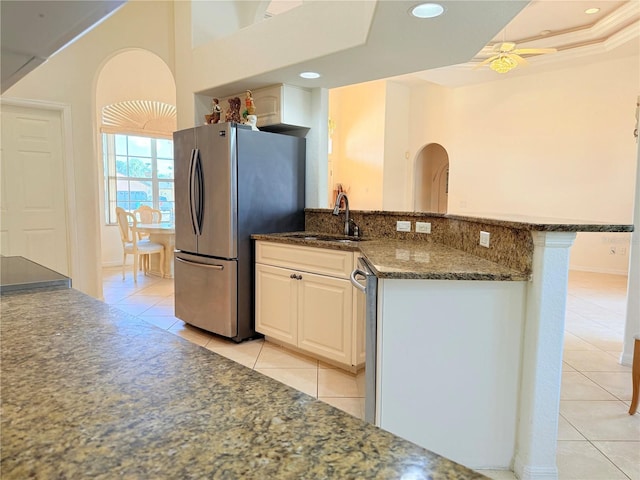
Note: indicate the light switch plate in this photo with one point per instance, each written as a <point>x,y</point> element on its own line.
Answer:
<point>403,226</point>
<point>484,239</point>
<point>423,227</point>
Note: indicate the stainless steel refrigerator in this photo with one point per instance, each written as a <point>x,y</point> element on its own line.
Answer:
<point>230,182</point>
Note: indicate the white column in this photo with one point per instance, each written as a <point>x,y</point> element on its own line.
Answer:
<point>632,325</point>
<point>317,166</point>
<point>542,357</point>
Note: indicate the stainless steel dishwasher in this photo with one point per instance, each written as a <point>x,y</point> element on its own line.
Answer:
<point>370,290</point>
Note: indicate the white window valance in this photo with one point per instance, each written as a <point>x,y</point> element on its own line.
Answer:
<point>144,117</point>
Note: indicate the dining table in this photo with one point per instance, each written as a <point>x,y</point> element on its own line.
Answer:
<point>164,234</point>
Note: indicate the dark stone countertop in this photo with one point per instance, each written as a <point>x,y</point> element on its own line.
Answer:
<point>91,392</point>
<point>407,259</point>
<point>19,273</point>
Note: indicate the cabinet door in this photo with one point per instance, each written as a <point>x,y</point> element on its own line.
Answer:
<point>325,309</point>
<point>268,103</point>
<point>276,303</point>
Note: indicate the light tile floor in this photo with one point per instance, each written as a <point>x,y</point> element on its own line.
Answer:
<point>597,439</point>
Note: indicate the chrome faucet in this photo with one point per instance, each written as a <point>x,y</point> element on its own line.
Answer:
<point>336,210</point>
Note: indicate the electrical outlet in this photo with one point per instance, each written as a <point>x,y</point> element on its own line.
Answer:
<point>403,226</point>
<point>622,251</point>
<point>423,227</point>
<point>484,239</point>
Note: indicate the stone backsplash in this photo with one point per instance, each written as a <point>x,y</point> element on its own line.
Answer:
<point>511,247</point>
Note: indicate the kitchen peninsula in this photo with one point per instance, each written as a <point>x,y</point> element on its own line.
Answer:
<point>469,338</point>
<point>90,392</point>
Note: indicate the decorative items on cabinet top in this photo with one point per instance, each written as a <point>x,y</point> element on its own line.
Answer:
<point>216,111</point>
<point>248,116</point>
<point>277,108</point>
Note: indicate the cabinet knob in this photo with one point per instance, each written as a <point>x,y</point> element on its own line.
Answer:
<point>299,277</point>
<point>293,275</point>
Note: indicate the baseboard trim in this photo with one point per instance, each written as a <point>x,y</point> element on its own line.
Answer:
<point>611,271</point>
<point>529,472</point>
<point>115,264</point>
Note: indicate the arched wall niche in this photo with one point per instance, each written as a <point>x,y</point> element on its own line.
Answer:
<point>431,174</point>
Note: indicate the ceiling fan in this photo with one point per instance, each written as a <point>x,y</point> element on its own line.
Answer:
<point>507,57</point>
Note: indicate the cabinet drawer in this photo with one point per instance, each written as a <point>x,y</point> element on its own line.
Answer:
<point>336,263</point>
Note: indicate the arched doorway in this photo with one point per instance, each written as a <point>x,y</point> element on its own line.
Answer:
<point>431,174</point>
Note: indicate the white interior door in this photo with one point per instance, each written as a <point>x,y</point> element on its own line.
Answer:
<point>33,221</point>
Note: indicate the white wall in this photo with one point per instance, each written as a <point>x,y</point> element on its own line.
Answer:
<point>556,145</point>
<point>358,142</point>
<point>601,252</point>
<point>553,144</point>
<point>397,168</point>
<point>70,78</point>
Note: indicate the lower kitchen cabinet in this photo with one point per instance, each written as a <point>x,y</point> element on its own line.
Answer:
<point>276,303</point>
<point>315,312</point>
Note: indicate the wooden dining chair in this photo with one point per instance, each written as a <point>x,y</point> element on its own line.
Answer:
<point>146,214</point>
<point>131,245</point>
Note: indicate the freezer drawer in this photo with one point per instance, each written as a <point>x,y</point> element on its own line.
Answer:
<point>206,293</point>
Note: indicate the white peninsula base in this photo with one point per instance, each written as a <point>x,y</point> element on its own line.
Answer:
<point>472,369</point>
<point>448,366</point>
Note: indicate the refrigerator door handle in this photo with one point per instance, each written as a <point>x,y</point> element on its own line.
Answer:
<point>203,265</point>
<point>200,184</point>
<point>192,186</point>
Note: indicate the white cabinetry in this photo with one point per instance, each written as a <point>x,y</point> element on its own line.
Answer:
<point>277,105</point>
<point>283,104</point>
<point>304,299</point>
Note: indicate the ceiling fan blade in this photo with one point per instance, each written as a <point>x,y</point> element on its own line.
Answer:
<point>518,59</point>
<point>525,51</point>
<point>484,62</point>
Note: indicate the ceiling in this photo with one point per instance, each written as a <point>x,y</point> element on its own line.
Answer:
<point>32,31</point>
<point>447,49</point>
<point>442,50</point>
<point>613,32</point>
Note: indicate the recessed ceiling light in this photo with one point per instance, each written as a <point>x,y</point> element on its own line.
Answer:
<point>591,11</point>
<point>310,75</point>
<point>427,10</point>
<point>545,32</point>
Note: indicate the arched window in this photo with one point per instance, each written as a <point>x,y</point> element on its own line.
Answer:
<point>138,156</point>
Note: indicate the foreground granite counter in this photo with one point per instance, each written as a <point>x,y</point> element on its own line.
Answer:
<point>90,392</point>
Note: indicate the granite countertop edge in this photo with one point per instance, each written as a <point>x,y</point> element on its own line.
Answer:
<point>407,259</point>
